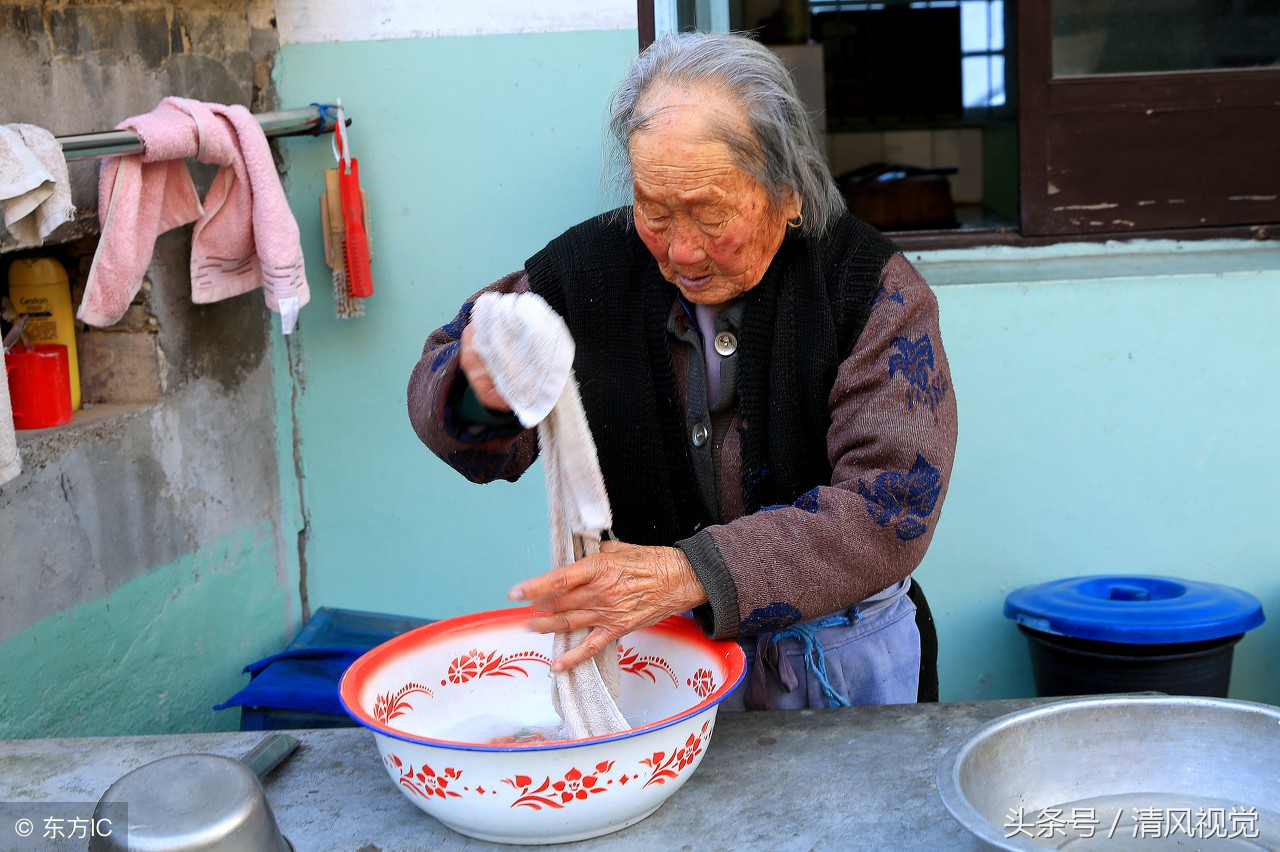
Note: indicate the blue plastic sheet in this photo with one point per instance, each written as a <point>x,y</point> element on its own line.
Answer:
<point>303,679</point>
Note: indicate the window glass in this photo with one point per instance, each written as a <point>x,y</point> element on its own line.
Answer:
<point>1138,36</point>
<point>982,43</point>
<point>903,52</point>
<point>983,80</point>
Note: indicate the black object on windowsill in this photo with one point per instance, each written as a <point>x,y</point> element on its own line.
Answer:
<point>897,197</point>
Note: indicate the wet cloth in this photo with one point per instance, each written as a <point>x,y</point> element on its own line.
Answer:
<point>34,187</point>
<point>529,354</point>
<point>245,235</point>
<point>868,654</point>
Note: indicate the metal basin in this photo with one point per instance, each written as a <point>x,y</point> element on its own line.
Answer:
<point>195,803</point>
<point>1122,772</point>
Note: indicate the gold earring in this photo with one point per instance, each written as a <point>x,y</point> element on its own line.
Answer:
<point>796,222</point>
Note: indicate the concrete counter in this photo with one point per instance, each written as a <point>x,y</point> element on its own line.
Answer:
<point>859,778</point>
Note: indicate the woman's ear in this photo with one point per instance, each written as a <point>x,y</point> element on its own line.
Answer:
<point>792,204</point>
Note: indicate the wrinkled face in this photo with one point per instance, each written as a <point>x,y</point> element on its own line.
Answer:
<point>709,224</point>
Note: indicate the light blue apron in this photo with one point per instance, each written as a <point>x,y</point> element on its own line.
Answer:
<point>867,654</point>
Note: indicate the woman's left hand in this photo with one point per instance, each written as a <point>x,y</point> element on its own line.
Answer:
<point>622,588</point>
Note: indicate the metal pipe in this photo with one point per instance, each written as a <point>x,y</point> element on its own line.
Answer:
<point>311,120</point>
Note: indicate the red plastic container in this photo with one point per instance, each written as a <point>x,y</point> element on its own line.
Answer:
<point>39,385</point>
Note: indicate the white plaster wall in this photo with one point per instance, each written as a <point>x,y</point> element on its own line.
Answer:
<point>309,21</point>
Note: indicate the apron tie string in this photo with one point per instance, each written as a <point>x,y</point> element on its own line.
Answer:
<point>771,659</point>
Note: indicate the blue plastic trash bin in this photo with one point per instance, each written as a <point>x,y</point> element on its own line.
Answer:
<point>1108,634</point>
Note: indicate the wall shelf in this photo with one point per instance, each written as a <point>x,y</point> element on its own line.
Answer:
<point>94,422</point>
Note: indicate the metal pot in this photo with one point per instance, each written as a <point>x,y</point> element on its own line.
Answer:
<point>1119,772</point>
<point>197,803</point>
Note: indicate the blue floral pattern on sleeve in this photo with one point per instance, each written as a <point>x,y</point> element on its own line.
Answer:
<point>808,501</point>
<point>775,616</point>
<point>884,295</point>
<point>914,362</point>
<point>443,354</point>
<point>455,326</point>
<point>903,500</point>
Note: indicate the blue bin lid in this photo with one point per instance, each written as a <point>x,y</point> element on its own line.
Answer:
<point>1137,610</point>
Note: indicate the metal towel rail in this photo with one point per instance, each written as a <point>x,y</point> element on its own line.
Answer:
<point>311,120</point>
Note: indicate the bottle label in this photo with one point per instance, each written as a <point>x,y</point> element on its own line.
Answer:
<point>41,328</point>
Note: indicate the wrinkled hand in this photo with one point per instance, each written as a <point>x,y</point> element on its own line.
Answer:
<point>622,588</point>
<point>477,373</point>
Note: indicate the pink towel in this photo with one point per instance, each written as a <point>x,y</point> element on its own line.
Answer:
<point>245,234</point>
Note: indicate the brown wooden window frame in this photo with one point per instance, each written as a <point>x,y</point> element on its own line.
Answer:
<point>1123,153</point>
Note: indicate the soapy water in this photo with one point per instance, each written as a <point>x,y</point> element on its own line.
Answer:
<point>492,729</point>
<point>1132,822</point>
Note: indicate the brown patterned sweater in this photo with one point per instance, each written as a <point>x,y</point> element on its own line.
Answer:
<point>891,446</point>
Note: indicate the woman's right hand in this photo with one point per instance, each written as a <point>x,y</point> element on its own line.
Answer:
<point>477,374</point>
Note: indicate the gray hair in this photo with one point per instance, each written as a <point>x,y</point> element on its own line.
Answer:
<point>784,157</point>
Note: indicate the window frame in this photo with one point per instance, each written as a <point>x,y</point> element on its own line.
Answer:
<point>1113,154</point>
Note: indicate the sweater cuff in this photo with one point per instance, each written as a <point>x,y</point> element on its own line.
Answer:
<point>470,421</point>
<point>471,411</point>
<point>718,618</point>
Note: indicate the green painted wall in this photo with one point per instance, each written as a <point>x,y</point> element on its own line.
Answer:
<point>1117,403</point>
<point>172,642</point>
<point>1117,415</point>
<point>474,152</point>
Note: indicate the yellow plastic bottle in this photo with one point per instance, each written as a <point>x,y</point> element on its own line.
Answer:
<point>38,287</point>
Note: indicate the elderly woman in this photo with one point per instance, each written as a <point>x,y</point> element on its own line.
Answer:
<point>764,381</point>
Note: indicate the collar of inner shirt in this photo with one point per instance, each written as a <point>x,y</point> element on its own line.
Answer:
<point>731,311</point>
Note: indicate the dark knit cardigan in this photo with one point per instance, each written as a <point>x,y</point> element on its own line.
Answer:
<point>799,323</point>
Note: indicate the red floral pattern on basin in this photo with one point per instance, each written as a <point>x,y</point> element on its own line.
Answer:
<point>667,767</point>
<point>629,660</point>
<point>556,794</point>
<point>389,705</point>
<point>476,664</point>
<point>703,682</point>
<point>574,786</point>
<point>426,782</point>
